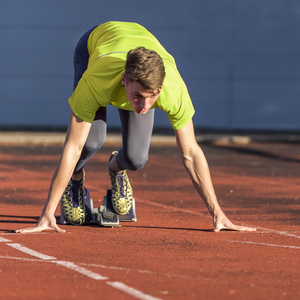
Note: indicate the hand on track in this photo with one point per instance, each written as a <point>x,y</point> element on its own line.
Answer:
<point>45,223</point>
<point>222,222</point>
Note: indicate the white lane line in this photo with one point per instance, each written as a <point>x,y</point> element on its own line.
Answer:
<point>31,252</point>
<point>52,259</point>
<point>80,270</point>
<point>284,233</point>
<point>260,244</point>
<point>117,285</point>
<point>115,268</point>
<point>3,240</point>
<point>22,258</point>
<point>29,233</point>
<point>105,267</point>
<point>137,271</point>
<point>131,291</point>
<point>174,208</point>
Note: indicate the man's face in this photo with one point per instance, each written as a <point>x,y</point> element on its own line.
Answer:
<point>140,99</point>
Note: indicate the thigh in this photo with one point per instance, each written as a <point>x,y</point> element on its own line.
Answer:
<point>97,134</point>
<point>81,57</point>
<point>136,131</point>
<point>95,139</point>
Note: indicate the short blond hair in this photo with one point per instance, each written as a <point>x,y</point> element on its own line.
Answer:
<point>146,67</point>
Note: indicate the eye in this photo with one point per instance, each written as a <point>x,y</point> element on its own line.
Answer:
<point>138,96</point>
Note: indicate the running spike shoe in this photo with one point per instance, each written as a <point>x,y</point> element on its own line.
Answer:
<point>72,202</point>
<point>121,196</point>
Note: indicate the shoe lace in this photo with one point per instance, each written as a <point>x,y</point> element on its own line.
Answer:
<point>120,179</point>
<point>76,190</point>
<point>68,188</point>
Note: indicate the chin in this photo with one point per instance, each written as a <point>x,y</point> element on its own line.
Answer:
<point>141,112</point>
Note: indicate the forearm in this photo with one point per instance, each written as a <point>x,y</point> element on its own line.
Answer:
<point>61,178</point>
<point>196,165</point>
<point>75,139</point>
<point>78,131</point>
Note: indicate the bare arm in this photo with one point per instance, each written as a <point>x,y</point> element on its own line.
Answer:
<point>197,168</point>
<point>75,139</point>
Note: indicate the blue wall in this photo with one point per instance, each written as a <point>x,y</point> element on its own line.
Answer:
<point>239,58</point>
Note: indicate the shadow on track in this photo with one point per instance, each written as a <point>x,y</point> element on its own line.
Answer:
<point>256,152</point>
<point>169,228</point>
<point>26,221</point>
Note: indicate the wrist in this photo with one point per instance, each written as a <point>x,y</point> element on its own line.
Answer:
<point>215,211</point>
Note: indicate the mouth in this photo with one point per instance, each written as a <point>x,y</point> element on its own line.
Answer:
<point>141,111</point>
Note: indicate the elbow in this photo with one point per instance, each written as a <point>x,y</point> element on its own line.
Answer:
<point>77,154</point>
<point>187,160</point>
<point>73,151</point>
<point>191,157</point>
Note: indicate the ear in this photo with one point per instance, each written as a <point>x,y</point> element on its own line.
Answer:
<point>123,80</point>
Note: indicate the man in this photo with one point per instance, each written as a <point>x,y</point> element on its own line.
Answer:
<point>123,64</point>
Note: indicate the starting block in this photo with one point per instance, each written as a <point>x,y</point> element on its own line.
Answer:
<point>104,215</point>
<point>129,217</point>
<point>106,218</point>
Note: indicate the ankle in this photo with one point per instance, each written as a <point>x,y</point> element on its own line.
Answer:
<point>113,166</point>
<point>78,177</point>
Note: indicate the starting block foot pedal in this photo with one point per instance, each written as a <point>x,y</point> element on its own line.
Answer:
<point>100,216</point>
<point>89,209</point>
<point>129,217</point>
<point>106,218</point>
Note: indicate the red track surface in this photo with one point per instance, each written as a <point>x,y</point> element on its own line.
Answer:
<point>171,251</point>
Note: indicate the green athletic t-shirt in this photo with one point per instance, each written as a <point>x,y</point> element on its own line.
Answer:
<point>100,85</point>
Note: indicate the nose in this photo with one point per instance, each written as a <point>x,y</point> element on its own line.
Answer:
<point>143,103</point>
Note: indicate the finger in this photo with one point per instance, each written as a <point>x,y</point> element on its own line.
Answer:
<point>244,228</point>
<point>39,229</point>
<point>58,230</point>
<point>28,230</point>
<point>233,227</point>
<point>241,228</point>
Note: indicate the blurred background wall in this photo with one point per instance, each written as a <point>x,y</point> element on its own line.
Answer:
<point>239,58</point>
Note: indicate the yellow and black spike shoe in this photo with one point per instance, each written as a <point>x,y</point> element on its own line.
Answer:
<point>72,202</point>
<point>121,196</point>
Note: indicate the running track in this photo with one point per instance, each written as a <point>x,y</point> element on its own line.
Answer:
<point>171,251</point>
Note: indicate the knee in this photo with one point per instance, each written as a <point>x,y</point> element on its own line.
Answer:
<point>91,147</point>
<point>134,162</point>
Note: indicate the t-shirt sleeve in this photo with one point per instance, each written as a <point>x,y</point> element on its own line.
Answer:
<point>83,102</point>
<point>183,110</point>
